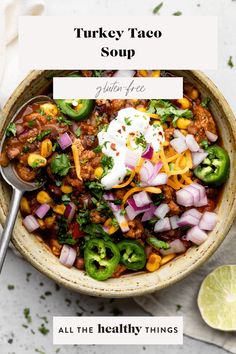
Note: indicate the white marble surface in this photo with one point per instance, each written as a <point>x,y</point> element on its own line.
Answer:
<point>33,290</point>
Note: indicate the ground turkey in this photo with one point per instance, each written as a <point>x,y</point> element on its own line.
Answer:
<point>136,229</point>
<point>203,122</point>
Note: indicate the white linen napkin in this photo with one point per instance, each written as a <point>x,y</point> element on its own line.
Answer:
<point>166,302</point>
<point>10,10</point>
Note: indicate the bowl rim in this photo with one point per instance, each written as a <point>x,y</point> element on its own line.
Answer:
<point>137,291</point>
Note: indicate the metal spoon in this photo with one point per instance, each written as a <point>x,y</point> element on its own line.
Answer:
<point>19,187</point>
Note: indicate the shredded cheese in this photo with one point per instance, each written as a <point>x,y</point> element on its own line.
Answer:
<point>76,150</point>
<point>164,161</point>
<point>126,183</point>
<point>138,189</point>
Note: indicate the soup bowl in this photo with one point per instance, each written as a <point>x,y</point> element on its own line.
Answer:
<point>34,250</point>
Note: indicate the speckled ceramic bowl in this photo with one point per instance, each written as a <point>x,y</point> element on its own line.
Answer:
<point>39,255</point>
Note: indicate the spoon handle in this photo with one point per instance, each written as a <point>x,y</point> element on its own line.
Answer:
<point>9,224</point>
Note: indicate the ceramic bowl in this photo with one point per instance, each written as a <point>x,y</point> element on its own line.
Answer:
<point>39,255</point>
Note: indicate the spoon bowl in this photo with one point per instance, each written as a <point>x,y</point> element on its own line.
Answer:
<point>18,185</point>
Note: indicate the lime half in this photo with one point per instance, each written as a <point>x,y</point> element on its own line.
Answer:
<point>217,298</point>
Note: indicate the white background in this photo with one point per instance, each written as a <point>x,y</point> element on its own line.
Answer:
<point>64,302</point>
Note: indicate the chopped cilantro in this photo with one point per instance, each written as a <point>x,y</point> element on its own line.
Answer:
<point>140,140</point>
<point>27,315</point>
<point>157,198</point>
<point>31,123</point>
<point>96,188</point>
<point>98,149</point>
<point>11,130</point>
<point>165,109</point>
<point>58,182</point>
<point>204,144</point>
<point>60,164</point>
<point>42,329</point>
<point>41,112</point>
<point>63,120</point>
<point>157,8</point>
<point>95,230</point>
<point>205,102</point>
<point>63,235</point>
<point>78,132</point>
<point>55,146</point>
<point>65,198</point>
<point>117,201</point>
<point>114,222</point>
<point>127,120</point>
<point>44,133</point>
<point>107,164</point>
<point>25,148</point>
<point>83,217</point>
<point>230,62</point>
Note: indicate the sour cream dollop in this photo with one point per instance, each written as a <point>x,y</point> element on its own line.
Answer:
<point>131,127</point>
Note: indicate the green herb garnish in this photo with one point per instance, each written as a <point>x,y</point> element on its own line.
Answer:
<point>63,120</point>
<point>78,132</point>
<point>177,13</point>
<point>60,164</point>
<point>44,133</point>
<point>230,62</point>
<point>205,102</point>
<point>127,120</point>
<point>11,130</point>
<point>27,315</point>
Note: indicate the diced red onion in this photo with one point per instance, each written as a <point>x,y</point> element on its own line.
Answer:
<point>42,210</point>
<point>131,213</point>
<point>131,159</point>
<point>193,212</point>
<point>106,229</point>
<point>161,211</point>
<point>200,188</point>
<point>141,199</point>
<point>159,180</point>
<point>30,223</point>
<point>196,235</point>
<point>75,126</point>
<point>191,143</point>
<point>188,220</point>
<point>179,145</point>
<point>195,193</point>
<point>132,203</point>
<point>198,157</point>
<point>176,246</point>
<point>178,134</point>
<point>146,171</point>
<point>121,221</point>
<point>208,221</point>
<point>148,153</point>
<point>203,201</point>
<point>124,73</point>
<point>212,137</point>
<point>162,225</point>
<point>108,196</point>
<point>70,211</point>
<point>64,141</point>
<point>149,213</point>
<point>174,222</point>
<point>67,256</point>
<point>184,198</point>
<point>19,129</point>
<point>156,170</point>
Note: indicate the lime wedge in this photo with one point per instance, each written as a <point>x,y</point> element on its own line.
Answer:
<point>217,298</point>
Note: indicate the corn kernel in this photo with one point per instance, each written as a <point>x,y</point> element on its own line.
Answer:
<point>183,123</point>
<point>143,72</point>
<point>164,126</point>
<point>184,102</point>
<point>43,197</point>
<point>46,148</point>
<point>55,247</point>
<point>41,224</point>
<point>49,109</point>
<point>36,160</point>
<point>141,108</point>
<point>79,106</point>
<point>194,94</point>
<point>166,143</point>
<point>24,206</point>
<point>49,221</point>
<point>59,209</point>
<point>111,229</point>
<point>156,73</point>
<point>167,258</point>
<point>153,263</point>
<point>98,172</point>
<point>66,189</point>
